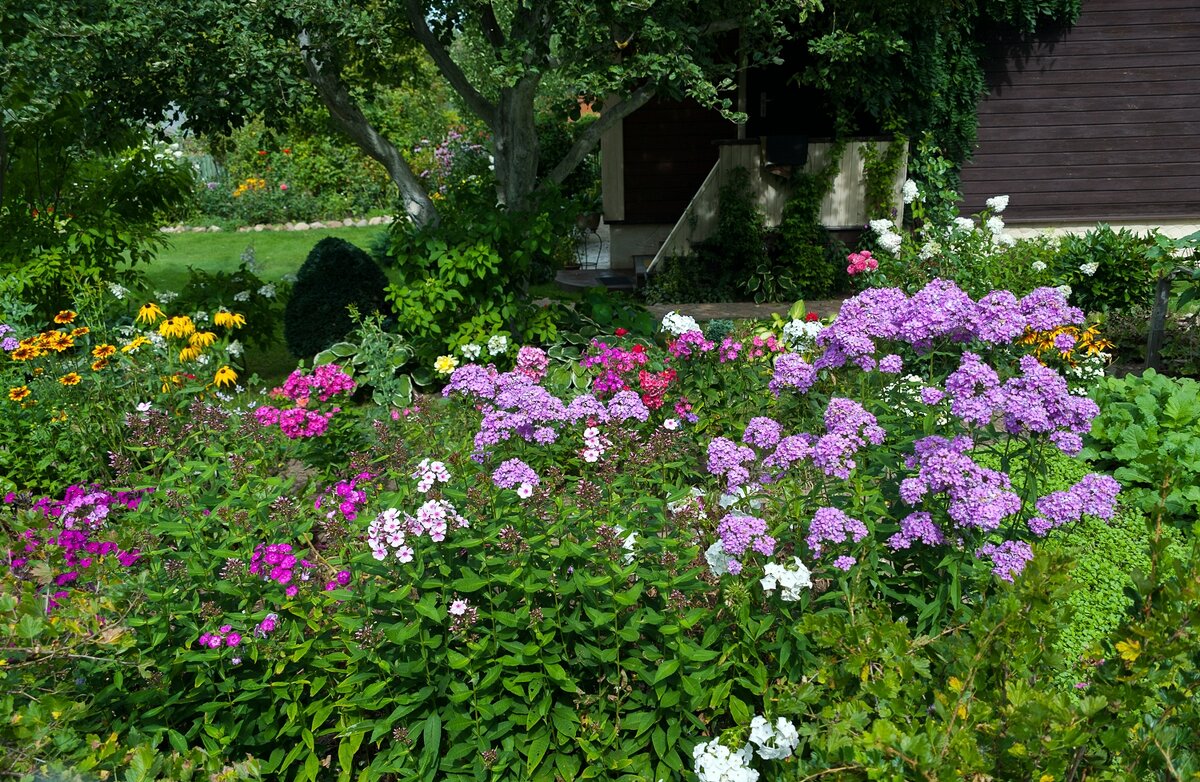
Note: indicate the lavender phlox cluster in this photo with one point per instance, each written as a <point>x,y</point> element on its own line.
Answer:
<point>939,310</point>
<point>762,432</point>
<point>388,534</point>
<point>789,579</point>
<point>532,401</point>
<point>1045,309</point>
<point>740,534</point>
<point>849,427</point>
<point>979,497</point>
<point>428,473</point>
<point>845,562</point>
<point>1094,495</point>
<point>715,762</point>
<point>790,450</point>
<point>1008,558</point>
<point>532,362</point>
<point>1039,400</point>
<point>594,445</point>
<point>626,405</point>
<point>586,407</point>
<point>792,371</point>
<point>861,320</point>
<point>689,343</point>
<point>974,390</point>
<point>519,406</point>
<point>773,741</point>
<point>472,380</point>
<point>832,525</point>
<point>516,474</point>
<point>917,526</point>
<point>998,319</point>
<point>727,459</point>
<point>891,364</point>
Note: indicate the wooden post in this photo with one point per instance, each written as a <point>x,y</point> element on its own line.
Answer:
<point>1158,322</point>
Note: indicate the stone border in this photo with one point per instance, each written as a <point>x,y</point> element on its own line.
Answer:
<point>349,222</point>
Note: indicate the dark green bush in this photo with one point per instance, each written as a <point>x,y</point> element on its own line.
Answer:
<point>1121,277</point>
<point>336,275</point>
<point>803,265</point>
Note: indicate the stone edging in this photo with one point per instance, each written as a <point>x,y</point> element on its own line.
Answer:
<point>349,222</point>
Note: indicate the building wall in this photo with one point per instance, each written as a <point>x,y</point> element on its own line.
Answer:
<point>1100,123</point>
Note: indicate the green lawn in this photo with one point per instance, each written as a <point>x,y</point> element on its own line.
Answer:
<point>277,252</point>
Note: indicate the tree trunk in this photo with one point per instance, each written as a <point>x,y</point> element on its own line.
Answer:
<point>349,117</point>
<point>1158,322</point>
<point>515,143</point>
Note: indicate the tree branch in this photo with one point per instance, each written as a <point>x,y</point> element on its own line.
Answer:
<point>491,28</point>
<point>479,105</point>
<point>590,137</point>
<point>354,123</point>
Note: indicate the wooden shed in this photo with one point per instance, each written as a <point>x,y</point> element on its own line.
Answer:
<point>1097,123</point>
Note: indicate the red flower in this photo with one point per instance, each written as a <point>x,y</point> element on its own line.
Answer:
<point>812,316</point>
<point>287,150</point>
<point>621,332</point>
<point>262,152</point>
<point>638,348</point>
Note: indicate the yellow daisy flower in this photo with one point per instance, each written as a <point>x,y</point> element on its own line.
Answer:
<point>79,332</point>
<point>189,353</point>
<point>104,351</point>
<point>445,365</point>
<point>225,376</point>
<point>180,327</point>
<point>19,393</point>
<point>229,319</point>
<point>99,364</point>
<point>70,379</point>
<point>150,313</point>
<point>25,352</point>
<point>65,316</point>
<point>202,339</point>
<point>134,344</point>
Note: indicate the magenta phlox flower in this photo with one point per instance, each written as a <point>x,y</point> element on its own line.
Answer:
<point>1008,558</point>
<point>832,525</point>
<point>689,343</point>
<point>792,371</point>
<point>532,362</point>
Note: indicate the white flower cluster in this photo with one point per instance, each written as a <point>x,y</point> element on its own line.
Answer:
<point>799,334</point>
<point>964,223</point>
<point>1088,269</point>
<point>166,297</point>
<point>889,240</point>
<point>910,191</point>
<point>471,351</point>
<point>715,762</point>
<point>428,473</point>
<point>241,296</point>
<point>118,290</point>
<point>997,203</point>
<point>694,495</point>
<point>594,445</point>
<point>773,742</point>
<point>267,291</point>
<point>789,579</point>
<point>1089,369</point>
<point>676,324</point>
<point>234,349</point>
<point>1038,266</point>
<point>749,490</point>
<point>1065,290</point>
<point>497,345</point>
<point>718,560</point>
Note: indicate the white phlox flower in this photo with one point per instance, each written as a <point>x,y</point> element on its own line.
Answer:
<point>773,742</point>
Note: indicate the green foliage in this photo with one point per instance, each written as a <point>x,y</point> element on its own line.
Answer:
<point>374,358</point>
<point>879,171</point>
<point>1148,435</point>
<point>1120,270</point>
<point>243,291</point>
<point>335,276</point>
<point>806,262</point>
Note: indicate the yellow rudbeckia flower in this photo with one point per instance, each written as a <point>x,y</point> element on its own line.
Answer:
<point>229,319</point>
<point>202,339</point>
<point>225,376</point>
<point>189,353</point>
<point>180,327</point>
<point>150,313</point>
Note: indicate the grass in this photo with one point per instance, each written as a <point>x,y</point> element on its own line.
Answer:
<point>277,252</point>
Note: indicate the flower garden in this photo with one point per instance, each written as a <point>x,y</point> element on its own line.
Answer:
<point>923,537</point>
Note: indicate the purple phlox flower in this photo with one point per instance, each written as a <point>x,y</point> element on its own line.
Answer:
<point>513,473</point>
<point>931,395</point>
<point>728,459</point>
<point>940,309</point>
<point>1008,558</point>
<point>831,525</point>
<point>850,427</point>
<point>979,497</point>
<point>917,526</point>
<point>974,390</point>
<point>472,380</point>
<point>740,534</point>
<point>1045,309</point>
<point>891,364</point>
<point>791,449</point>
<point>1038,400</point>
<point>844,562</point>
<point>625,405</point>
<point>997,318</point>
<point>762,432</point>
<point>792,371</point>
<point>1094,495</point>
<point>586,407</point>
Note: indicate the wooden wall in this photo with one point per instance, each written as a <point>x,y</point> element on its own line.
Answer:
<point>1101,123</point>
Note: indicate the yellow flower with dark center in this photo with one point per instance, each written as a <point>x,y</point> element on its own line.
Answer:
<point>79,332</point>
<point>59,417</point>
<point>134,344</point>
<point>104,351</point>
<point>179,327</point>
<point>229,319</point>
<point>150,313</point>
<point>189,353</point>
<point>202,339</point>
<point>70,379</point>
<point>65,316</point>
<point>19,393</point>
<point>99,364</point>
<point>171,381</point>
<point>25,352</point>
<point>225,376</point>
<point>58,341</point>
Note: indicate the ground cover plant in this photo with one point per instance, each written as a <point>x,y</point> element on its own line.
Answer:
<point>844,549</point>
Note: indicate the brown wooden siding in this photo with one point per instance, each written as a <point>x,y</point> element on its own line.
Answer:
<point>1101,123</point>
<point>669,150</point>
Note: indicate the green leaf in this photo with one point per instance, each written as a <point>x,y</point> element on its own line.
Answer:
<point>537,750</point>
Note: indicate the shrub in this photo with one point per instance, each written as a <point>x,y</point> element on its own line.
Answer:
<point>805,263</point>
<point>335,275</point>
<point>1106,269</point>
